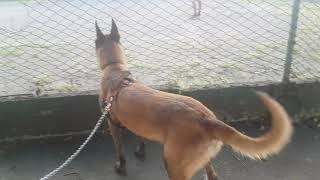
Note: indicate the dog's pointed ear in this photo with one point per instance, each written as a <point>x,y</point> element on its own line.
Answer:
<point>100,35</point>
<point>114,35</point>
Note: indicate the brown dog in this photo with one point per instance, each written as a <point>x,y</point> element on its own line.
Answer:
<point>190,132</point>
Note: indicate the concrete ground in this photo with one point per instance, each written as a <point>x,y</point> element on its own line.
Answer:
<point>30,160</point>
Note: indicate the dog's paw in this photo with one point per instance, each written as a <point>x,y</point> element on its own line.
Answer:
<point>140,154</point>
<point>120,169</point>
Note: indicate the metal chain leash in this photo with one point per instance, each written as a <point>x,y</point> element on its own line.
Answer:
<point>104,114</point>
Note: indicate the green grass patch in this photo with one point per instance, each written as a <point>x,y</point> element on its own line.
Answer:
<point>11,52</point>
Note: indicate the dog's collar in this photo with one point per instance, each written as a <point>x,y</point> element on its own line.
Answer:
<point>117,82</point>
<point>114,62</point>
<point>122,79</point>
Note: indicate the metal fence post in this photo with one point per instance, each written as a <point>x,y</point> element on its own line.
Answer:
<point>291,40</point>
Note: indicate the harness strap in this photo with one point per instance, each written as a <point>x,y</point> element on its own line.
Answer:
<point>126,79</point>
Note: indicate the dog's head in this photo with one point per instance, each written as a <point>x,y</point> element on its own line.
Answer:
<point>108,47</point>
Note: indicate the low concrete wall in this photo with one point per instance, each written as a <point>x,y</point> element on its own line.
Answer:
<point>29,117</point>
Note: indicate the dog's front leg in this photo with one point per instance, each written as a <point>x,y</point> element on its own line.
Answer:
<point>116,133</point>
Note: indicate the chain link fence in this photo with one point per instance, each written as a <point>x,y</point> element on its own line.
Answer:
<point>306,55</point>
<point>47,46</point>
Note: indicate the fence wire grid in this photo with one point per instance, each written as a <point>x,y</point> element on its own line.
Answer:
<point>47,46</point>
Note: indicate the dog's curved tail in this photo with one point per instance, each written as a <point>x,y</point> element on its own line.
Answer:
<point>258,147</point>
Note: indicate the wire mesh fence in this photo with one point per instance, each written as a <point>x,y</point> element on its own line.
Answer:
<point>47,46</point>
<point>306,56</point>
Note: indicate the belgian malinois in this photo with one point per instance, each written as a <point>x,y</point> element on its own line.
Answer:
<point>190,133</point>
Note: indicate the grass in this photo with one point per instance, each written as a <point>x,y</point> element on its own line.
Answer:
<point>11,52</point>
<point>46,85</point>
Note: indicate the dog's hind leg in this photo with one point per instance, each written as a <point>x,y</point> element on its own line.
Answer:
<point>116,133</point>
<point>184,159</point>
<point>175,169</point>
<point>140,151</point>
<point>210,172</point>
<point>175,159</point>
